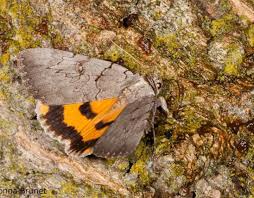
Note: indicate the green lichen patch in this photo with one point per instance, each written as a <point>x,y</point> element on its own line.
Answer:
<point>225,6</point>
<point>57,40</point>
<point>5,74</point>
<point>113,54</point>
<point>249,158</point>
<point>21,27</point>
<point>26,22</point>
<point>6,32</point>
<point>128,55</point>
<point>4,58</point>
<point>16,168</point>
<point>176,169</point>
<point>191,119</point>
<point>69,188</point>
<point>5,183</point>
<point>169,45</point>
<point>140,150</point>
<point>141,167</point>
<point>163,145</point>
<point>26,39</point>
<point>123,166</point>
<point>183,52</point>
<point>174,177</point>
<point>250,34</point>
<point>3,5</point>
<point>224,25</point>
<point>233,59</point>
<point>240,181</point>
<point>227,55</point>
<point>231,69</point>
<point>5,124</point>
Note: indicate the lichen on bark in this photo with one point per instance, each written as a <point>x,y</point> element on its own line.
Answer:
<point>203,51</point>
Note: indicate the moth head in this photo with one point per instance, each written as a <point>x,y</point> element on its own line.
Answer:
<point>155,82</point>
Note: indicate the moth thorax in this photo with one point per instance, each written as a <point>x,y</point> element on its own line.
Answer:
<point>135,91</point>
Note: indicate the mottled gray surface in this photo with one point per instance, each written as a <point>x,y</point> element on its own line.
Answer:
<point>60,77</point>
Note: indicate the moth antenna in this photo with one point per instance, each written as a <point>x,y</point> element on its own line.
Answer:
<point>152,121</point>
<point>156,83</point>
<point>151,81</point>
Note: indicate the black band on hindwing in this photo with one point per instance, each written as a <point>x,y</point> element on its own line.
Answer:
<point>86,110</point>
<point>55,119</point>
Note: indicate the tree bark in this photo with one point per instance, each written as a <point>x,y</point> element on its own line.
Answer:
<point>203,51</point>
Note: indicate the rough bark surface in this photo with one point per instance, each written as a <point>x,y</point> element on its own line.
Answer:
<point>203,51</point>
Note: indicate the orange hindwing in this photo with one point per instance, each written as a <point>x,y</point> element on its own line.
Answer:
<point>79,125</point>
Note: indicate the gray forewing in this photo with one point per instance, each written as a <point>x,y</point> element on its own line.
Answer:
<point>60,77</point>
<point>126,132</point>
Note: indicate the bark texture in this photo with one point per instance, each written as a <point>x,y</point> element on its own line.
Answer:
<point>203,51</point>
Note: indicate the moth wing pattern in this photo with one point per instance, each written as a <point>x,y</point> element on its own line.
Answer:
<point>58,77</point>
<point>126,132</point>
<point>61,77</point>
<point>78,125</point>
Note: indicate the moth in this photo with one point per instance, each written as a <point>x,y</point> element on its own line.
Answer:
<point>93,106</point>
